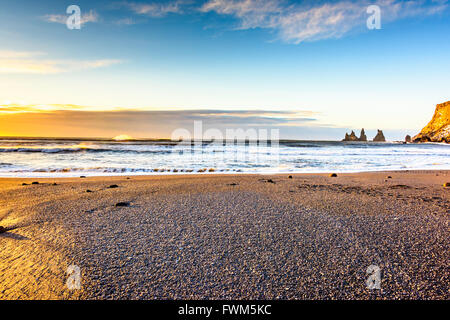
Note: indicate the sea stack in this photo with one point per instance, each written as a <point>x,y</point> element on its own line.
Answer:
<point>379,137</point>
<point>352,136</point>
<point>362,136</point>
<point>438,129</point>
<point>408,138</point>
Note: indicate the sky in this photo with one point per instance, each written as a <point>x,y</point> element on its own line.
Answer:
<point>313,69</point>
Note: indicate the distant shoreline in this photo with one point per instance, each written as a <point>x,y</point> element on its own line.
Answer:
<point>221,174</point>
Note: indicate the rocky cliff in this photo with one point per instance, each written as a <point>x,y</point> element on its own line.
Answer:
<point>438,129</point>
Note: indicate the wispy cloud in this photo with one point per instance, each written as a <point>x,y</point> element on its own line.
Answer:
<point>72,120</point>
<point>18,62</point>
<point>11,54</point>
<point>125,22</point>
<point>222,117</point>
<point>155,9</point>
<point>91,16</point>
<point>309,21</point>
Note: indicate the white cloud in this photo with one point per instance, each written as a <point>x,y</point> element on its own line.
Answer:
<point>91,16</point>
<point>19,62</point>
<point>308,21</point>
<point>155,9</point>
<point>125,22</point>
<point>11,54</point>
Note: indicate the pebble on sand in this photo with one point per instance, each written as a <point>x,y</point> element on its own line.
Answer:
<point>54,184</point>
<point>389,177</point>
<point>270,181</point>
<point>113,186</point>
<point>290,177</point>
<point>88,190</point>
<point>35,182</point>
<point>447,185</point>
<point>122,204</point>
<point>82,177</point>
<point>333,175</point>
<point>2,229</point>
<point>24,184</point>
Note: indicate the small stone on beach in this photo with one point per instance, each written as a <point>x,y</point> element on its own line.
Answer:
<point>389,177</point>
<point>113,186</point>
<point>290,177</point>
<point>447,185</point>
<point>122,204</point>
<point>82,177</point>
<point>333,175</point>
<point>24,184</point>
<point>88,190</point>
<point>270,181</point>
<point>2,229</point>
<point>35,182</point>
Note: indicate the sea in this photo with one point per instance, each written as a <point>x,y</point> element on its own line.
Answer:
<point>39,157</point>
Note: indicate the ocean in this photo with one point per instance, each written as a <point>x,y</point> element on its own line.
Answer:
<point>21,157</point>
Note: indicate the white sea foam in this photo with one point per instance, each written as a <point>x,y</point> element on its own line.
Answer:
<point>65,158</point>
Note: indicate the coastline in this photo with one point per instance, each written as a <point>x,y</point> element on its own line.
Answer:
<point>221,236</point>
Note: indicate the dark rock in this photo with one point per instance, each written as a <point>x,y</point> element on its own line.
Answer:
<point>379,137</point>
<point>122,204</point>
<point>438,129</point>
<point>389,177</point>
<point>35,182</point>
<point>24,184</point>
<point>3,229</point>
<point>233,184</point>
<point>362,136</point>
<point>447,185</point>
<point>113,186</point>
<point>270,181</point>
<point>333,175</point>
<point>408,138</point>
<point>88,190</point>
<point>290,177</point>
<point>82,177</point>
<point>54,184</point>
<point>351,137</point>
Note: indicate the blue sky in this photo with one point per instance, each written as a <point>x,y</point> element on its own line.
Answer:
<point>314,58</point>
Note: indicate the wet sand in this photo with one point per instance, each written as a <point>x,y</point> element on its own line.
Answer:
<point>227,236</point>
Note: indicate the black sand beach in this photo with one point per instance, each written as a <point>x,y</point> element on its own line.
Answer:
<point>227,236</point>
